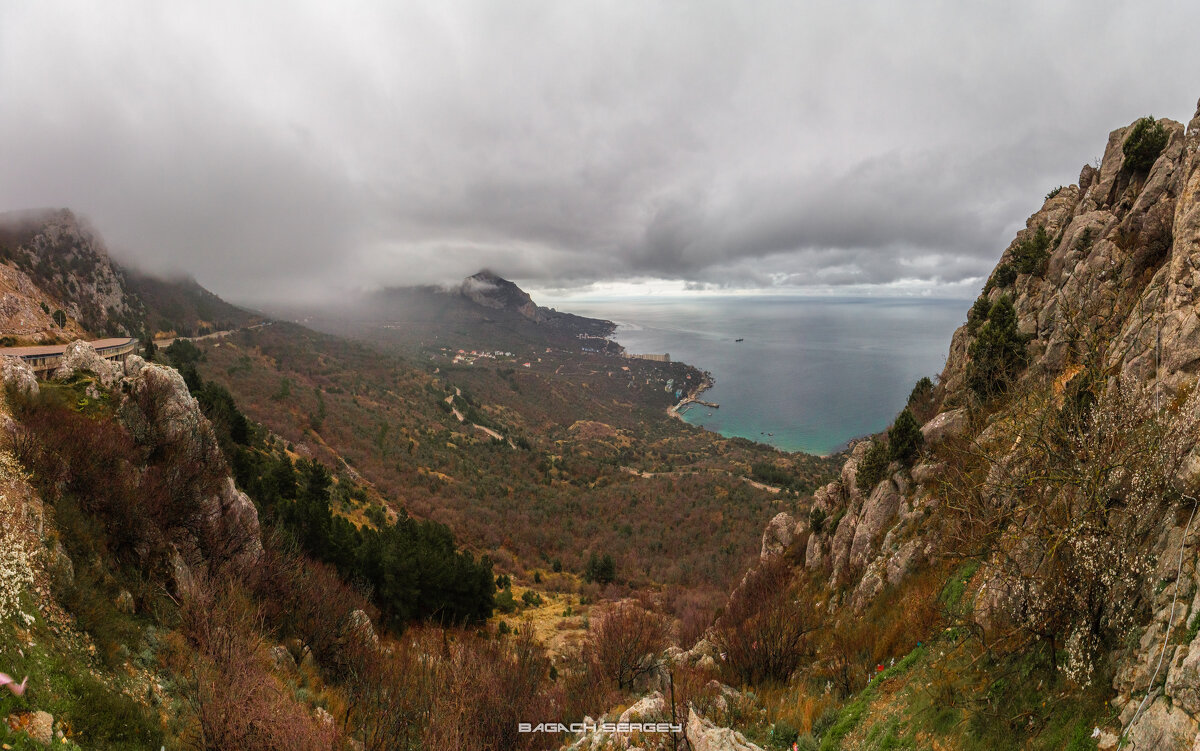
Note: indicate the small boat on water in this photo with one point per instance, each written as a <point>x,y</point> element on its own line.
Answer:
<point>770,434</point>
<point>739,340</point>
<point>709,414</point>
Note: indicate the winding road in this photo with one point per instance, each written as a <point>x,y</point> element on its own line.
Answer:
<point>459,416</point>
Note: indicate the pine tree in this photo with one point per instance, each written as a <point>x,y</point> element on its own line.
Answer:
<point>998,354</point>
<point>873,466</point>
<point>904,438</point>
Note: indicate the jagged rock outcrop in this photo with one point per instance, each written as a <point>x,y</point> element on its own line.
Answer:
<point>778,535</point>
<point>158,410</point>
<point>81,357</point>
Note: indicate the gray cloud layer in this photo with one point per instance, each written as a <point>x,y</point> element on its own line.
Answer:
<point>299,149</point>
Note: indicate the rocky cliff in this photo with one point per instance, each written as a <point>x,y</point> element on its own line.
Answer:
<point>211,520</point>
<point>1071,487</point>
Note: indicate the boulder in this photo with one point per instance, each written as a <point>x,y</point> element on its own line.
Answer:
<point>15,373</point>
<point>946,425</point>
<point>651,707</point>
<point>777,536</point>
<point>283,660</point>
<point>125,602</point>
<point>705,736</point>
<point>81,357</point>
<point>359,624</point>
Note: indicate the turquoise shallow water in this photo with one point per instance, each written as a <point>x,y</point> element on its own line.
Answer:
<point>814,372</point>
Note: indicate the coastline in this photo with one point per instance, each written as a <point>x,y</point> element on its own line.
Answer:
<point>706,383</point>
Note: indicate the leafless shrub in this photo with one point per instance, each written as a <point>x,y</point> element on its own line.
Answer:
<point>234,699</point>
<point>390,691</point>
<point>627,640</point>
<point>763,631</point>
<point>486,689</point>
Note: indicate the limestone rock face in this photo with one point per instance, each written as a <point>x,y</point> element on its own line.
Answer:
<point>176,413</point>
<point>877,513</point>
<point>850,468</point>
<point>158,410</point>
<point>1120,288</point>
<point>234,514</point>
<point>134,365</point>
<point>778,535</point>
<point>1161,725</point>
<point>21,311</point>
<point>82,357</point>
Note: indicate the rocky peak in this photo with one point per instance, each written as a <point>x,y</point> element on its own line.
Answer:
<point>492,291</point>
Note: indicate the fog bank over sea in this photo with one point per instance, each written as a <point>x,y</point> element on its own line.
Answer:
<point>814,372</point>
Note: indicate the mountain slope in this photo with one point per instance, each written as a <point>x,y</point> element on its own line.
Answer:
<point>57,283</point>
<point>55,262</point>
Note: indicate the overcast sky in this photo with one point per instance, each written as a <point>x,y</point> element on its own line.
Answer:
<point>290,150</point>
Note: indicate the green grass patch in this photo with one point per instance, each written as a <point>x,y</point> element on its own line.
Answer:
<point>850,715</point>
<point>61,682</point>
<point>956,586</point>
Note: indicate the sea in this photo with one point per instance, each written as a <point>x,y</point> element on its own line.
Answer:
<point>799,373</point>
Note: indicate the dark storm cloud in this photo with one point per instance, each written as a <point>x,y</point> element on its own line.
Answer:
<point>298,150</point>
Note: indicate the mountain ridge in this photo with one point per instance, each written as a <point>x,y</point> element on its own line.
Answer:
<point>53,262</point>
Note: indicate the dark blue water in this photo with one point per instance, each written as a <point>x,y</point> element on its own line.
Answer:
<point>814,372</point>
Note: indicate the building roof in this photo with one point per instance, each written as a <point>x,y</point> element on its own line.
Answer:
<point>57,349</point>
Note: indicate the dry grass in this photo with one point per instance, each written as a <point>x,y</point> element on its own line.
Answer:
<point>559,633</point>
